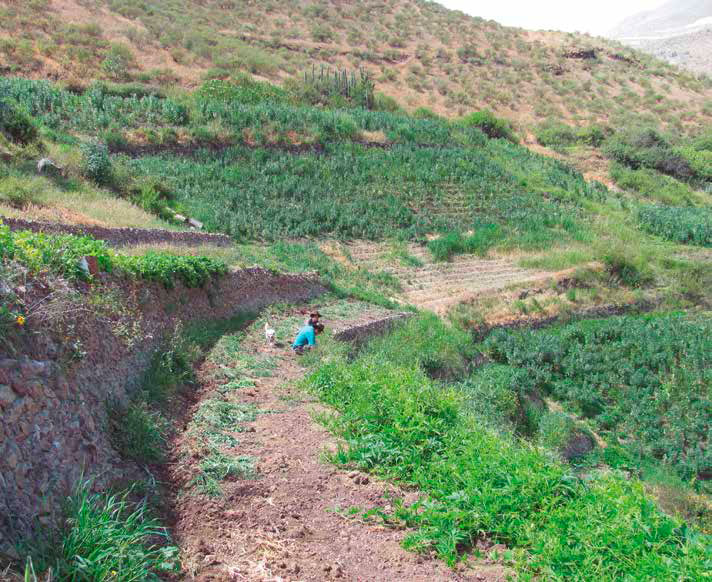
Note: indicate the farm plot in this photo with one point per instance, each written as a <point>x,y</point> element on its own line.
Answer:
<point>439,286</point>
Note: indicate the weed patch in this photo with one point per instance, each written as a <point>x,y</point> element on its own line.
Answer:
<point>397,422</point>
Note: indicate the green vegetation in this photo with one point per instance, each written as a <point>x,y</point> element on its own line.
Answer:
<point>16,124</point>
<point>557,135</point>
<point>492,126</point>
<point>484,238</point>
<point>354,192</point>
<point>63,254</point>
<point>396,421</point>
<point>691,226</point>
<point>105,537</point>
<point>642,382</point>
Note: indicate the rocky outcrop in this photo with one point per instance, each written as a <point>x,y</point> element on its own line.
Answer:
<point>58,372</point>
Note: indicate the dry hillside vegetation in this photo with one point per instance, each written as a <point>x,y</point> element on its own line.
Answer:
<point>417,51</point>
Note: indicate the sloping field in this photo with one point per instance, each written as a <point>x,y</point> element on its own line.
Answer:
<point>439,286</point>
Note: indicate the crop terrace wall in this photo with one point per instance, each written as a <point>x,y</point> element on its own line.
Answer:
<point>53,408</point>
<point>359,334</point>
<point>119,237</point>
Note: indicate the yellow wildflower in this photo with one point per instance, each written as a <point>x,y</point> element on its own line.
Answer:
<point>20,319</point>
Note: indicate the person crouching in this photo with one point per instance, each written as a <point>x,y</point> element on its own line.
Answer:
<point>306,338</point>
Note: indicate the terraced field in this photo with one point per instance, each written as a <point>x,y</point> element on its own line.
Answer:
<point>439,286</point>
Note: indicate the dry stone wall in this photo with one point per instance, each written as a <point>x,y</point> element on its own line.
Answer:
<point>53,391</point>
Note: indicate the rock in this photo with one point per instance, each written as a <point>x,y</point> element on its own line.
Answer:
<point>14,411</point>
<point>179,217</point>
<point>45,164</point>
<point>7,396</point>
<point>195,223</point>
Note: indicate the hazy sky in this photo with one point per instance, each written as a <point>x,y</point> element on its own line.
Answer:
<point>595,17</point>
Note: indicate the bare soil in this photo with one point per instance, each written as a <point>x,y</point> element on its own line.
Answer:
<point>285,525</point>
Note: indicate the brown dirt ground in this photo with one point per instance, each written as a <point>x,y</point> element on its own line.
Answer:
<point>282,525</point>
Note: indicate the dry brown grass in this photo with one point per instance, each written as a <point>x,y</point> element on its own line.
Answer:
<point>421,54</point>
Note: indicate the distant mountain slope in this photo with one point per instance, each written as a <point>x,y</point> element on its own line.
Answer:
<point>417,51</point>
<point>679,32</point>
<point>672,17</point>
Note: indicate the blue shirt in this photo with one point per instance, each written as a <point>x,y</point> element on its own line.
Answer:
<point>306,336</point>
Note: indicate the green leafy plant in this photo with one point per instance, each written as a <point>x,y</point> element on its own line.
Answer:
<point>691,226</point>
<point>96,164</point>
<point>398,423</point>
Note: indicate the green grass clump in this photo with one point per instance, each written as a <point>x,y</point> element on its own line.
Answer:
<point>475,482</point>
<point>690,226</point>
<point>106,537</point>
<point>16,124</point>
<point>138,432</point>
<point>643,382</point>
<point>454,243</point>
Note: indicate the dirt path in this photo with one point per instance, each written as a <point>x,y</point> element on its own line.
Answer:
<point>283,524</point>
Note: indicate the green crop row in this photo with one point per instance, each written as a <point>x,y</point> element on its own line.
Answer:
<point>62,255</point>
<point>477,483</point>
<point>349,191</point>
<point>683,225</point>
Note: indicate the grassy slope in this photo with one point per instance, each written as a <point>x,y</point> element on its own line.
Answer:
<point>419,52</point>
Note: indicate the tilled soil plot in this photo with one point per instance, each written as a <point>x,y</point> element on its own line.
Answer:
<point>439,286</point>
<point>287,522</point>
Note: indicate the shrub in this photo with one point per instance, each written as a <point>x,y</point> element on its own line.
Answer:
<point>653,185</point>
<point>699,160</point>
<point>625,269</point>
<point>647,148</point>
<point>21,192</point>
<point>492,126</point>
<point>117,62</point>
<point>16,123</point>
<point>386,103</point>
<point>425,113</point>
<point>96,163</point>
<point>556,134</point>
<point>242,89</point>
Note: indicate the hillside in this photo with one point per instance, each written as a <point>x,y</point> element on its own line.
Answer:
<point>514,380</point>
<point>679,32</point>
<point>418,52</point>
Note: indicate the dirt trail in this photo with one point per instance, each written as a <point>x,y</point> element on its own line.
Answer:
<point>282,525</point>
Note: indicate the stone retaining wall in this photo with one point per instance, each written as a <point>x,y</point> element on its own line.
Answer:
<point>119,237</point>
<point>361,333</point>
<point>53,398</point>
